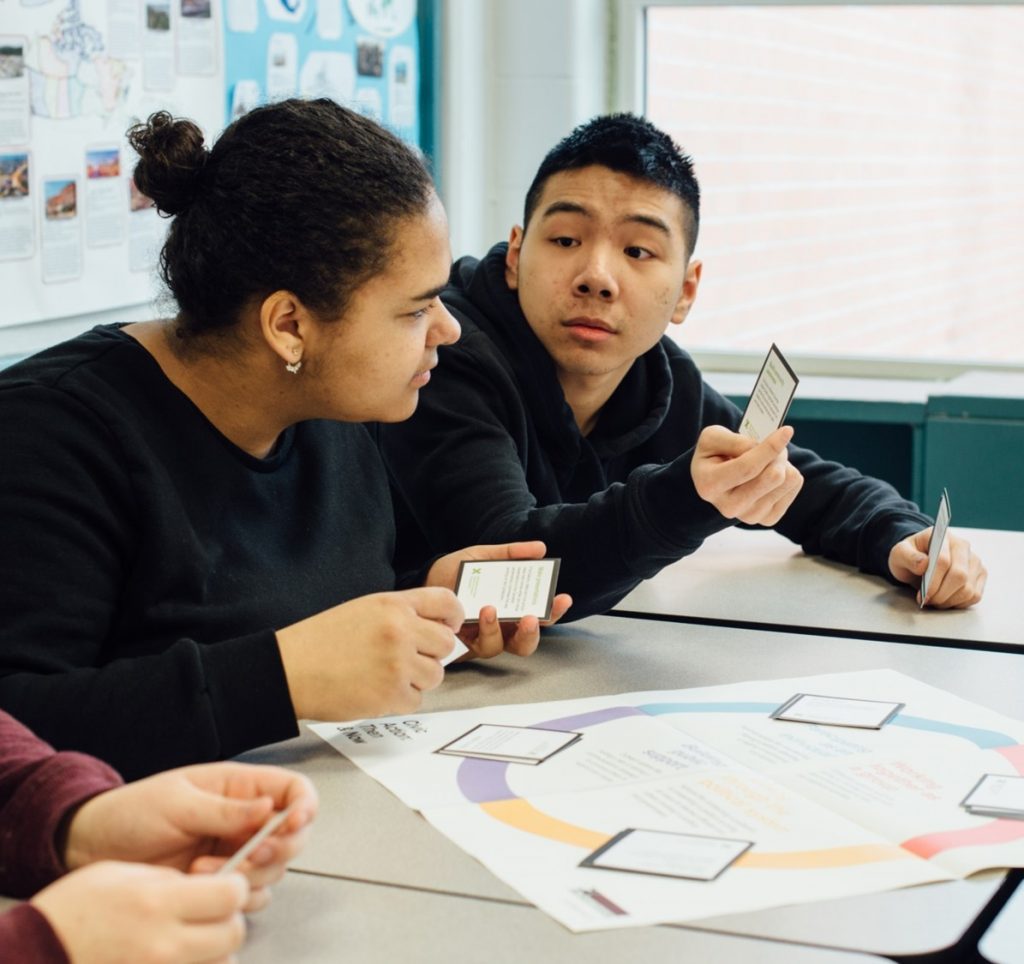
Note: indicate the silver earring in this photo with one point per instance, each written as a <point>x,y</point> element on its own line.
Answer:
<point>293,367</point>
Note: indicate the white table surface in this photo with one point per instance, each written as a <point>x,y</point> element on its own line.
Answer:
<point>322,920</point>
<point>366,834</point>
<point>743,576</point>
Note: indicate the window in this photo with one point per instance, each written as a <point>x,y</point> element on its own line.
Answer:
<point>862,170</point>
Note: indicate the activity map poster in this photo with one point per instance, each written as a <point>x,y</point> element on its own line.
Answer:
<point>75,235</point>
<point>647,808</point>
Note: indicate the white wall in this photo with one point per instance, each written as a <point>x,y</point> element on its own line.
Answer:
<point>518,75</point>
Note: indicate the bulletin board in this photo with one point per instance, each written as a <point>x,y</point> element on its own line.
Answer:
<point>75,235</point>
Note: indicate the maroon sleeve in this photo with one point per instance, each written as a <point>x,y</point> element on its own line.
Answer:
<point>26,935</point>
<point>37,788</point>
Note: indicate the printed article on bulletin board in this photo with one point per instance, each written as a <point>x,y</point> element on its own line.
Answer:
<point>75,234</point>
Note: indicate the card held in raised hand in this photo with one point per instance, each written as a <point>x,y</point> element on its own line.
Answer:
<point>667,854</point>
<point>515,587</point>
<point>942,517</point>
<point>769,401</point>
<point>837,711</point>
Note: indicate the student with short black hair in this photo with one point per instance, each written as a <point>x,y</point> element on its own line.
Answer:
<point>565,414</point>
<point>197,532</point>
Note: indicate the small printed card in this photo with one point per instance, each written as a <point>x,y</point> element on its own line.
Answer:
<point>771,397</point>
<point>666,854</point>
<point>273,822</point>
<point>510,744</point>
<point>459,648</point>
<point>837,711</point>
<point>942,518</point>
<point>996,795</point>
<point>515,587</point>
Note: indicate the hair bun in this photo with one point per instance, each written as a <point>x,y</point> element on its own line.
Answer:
<point>171,161</point>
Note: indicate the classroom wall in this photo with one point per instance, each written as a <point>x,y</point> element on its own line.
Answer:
<point>514,77</point>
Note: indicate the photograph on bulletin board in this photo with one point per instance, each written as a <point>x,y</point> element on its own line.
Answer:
<point>76,74</point>
<point>361,53</point>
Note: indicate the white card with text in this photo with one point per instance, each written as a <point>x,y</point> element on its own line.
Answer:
<point>667,854</point>
<point>769,401</point>
<point>942,517</point>
<point>837,711</point>
<point>515,587</point>
<point>513,744</point>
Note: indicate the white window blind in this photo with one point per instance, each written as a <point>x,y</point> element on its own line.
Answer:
<point>862,170</point>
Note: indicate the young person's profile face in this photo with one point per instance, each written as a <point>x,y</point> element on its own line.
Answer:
<point>601,269</point>
<point>379,354</point>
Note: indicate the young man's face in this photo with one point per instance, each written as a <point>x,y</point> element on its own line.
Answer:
<point>601,270</point>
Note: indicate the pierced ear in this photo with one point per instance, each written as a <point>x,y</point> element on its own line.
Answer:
<point>688,295</point>
<point>283,320</point>
<point>515,245</point>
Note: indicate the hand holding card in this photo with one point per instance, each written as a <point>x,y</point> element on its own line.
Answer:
<point>770,400</point>
<point>942,518</point>
<point>515,587</point>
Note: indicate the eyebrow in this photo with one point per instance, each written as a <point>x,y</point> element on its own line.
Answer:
<point>431,294</point>
<point>570,207</point>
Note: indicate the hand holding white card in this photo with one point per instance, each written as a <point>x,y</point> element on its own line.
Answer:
<point>769,401</point>
<point>256,839</point>
<point>515,587</point>
<point>942,517</point>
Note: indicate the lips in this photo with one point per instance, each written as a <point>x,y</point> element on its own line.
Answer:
<point>598,324</point>
<point>589,331</point>
<point>421,378</point>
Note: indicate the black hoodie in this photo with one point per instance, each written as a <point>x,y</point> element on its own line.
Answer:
<point>493,454</point>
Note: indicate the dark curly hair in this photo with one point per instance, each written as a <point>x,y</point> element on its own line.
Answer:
<point>300,195</point>
<point>630,145</point>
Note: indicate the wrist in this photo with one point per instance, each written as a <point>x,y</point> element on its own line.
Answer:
<point>74,835</point>
<point>289,647</point>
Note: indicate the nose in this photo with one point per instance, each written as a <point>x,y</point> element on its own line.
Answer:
<point>596,277</point>
<point>446,330</point>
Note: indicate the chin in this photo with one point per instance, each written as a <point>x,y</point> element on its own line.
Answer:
<point>398,414</point>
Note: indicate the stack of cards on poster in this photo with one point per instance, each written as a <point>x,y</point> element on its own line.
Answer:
<point>666,854</point>
<point>512,744</point>
<point>837,711</point>
<point>997,795</point>
<point>14,90</point>
<point>515,587</point>
<point>942,519</point>
<point>770,400</point>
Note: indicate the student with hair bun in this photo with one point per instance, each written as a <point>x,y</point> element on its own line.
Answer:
<point>197,531</point>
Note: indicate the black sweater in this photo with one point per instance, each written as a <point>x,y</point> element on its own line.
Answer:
<point>494,454</point>
<point>147,561</point>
